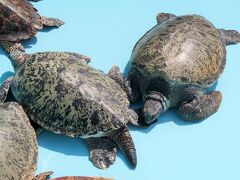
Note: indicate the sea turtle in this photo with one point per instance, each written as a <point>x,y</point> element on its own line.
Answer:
<point>176,63</point>
<point>65,95</point>
<point>18,147</point>
<point>19,20</point>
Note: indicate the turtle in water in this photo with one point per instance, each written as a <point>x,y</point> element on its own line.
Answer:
<point>63,94</point>
<point>19,151</point>
<point>19,20</point>
<point>175,64</point>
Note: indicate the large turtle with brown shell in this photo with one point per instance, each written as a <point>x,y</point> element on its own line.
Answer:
<point>19,150</point>
<point>19,20</point>
<point>63,94</point>
<point>176,63</point>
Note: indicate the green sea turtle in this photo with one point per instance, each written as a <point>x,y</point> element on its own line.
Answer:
<point>63,94</point>
<point>176,63</point>
<point>19,20</point>
<point>18,147</point>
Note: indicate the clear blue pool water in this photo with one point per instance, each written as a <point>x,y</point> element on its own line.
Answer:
<point>171,149</point>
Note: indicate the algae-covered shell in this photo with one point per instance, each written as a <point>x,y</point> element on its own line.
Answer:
<point>67,96</point>
<point>182,50</point>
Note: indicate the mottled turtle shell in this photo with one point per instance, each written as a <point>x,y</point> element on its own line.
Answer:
<point>18,16</point>
<point>181,50</point>
<point>18,148</point>
<point>65,95</point>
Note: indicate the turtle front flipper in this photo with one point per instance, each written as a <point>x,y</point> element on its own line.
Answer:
<point>15,36</point>
<point>155,104</point>
<point>201,106</point>
<point>4,89</point>
<point>125,84</point>
<point>102,152</point>
<point>161,17</point>
<point>16,52</point>
<point>43,176</point>
<point>52,22</point>
<point>230,37</point>
<point>124,141</point>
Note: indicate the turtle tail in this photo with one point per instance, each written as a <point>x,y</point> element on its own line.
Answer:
<point>124,141</point>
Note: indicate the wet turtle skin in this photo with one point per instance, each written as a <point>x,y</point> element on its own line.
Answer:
<point>18,154</point>
<point>19,20</point>
<point>176,62</point>
<point>58,90</point>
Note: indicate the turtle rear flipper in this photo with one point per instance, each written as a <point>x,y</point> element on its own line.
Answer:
<point>124,141</point>
<point>52,22</point>
<point>230,37</point>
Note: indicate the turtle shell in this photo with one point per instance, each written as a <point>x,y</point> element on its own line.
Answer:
<point>18,148</point>
<point>18,18</point>
<point>65,95</point>
<point>181,50</point>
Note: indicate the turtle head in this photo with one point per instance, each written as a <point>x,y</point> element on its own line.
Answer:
<point>155,104</point>
<point>15,51</point>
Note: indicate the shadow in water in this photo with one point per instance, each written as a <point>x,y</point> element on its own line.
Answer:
<point>6,75</point>
<point>169,116</point>
<point>29,43</point>
<point>63,144</point>
<point>47,29</point>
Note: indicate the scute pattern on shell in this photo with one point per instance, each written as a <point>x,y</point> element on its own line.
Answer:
<point>18,16</point>
<point>65,95</point>
<point>182,50</point>
<point>18,148</point>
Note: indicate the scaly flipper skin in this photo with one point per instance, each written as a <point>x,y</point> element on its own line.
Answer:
<point>43,176</point>
<point>4,88</point>
<point>124,141</point>
<point>230,37</point>
<point>16,52</point>
<point>102,152</point>
<point>52,22</point>
<point>201,107</point>
<point>161,17</point>
<point>116,75</point>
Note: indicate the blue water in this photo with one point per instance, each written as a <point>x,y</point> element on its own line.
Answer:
<point>171,149</point>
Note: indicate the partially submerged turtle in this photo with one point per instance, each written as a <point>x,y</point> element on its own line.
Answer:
<point>19,20</point>
<point>175,63</point>
<point>18,147</point>
<point>65,95</point>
